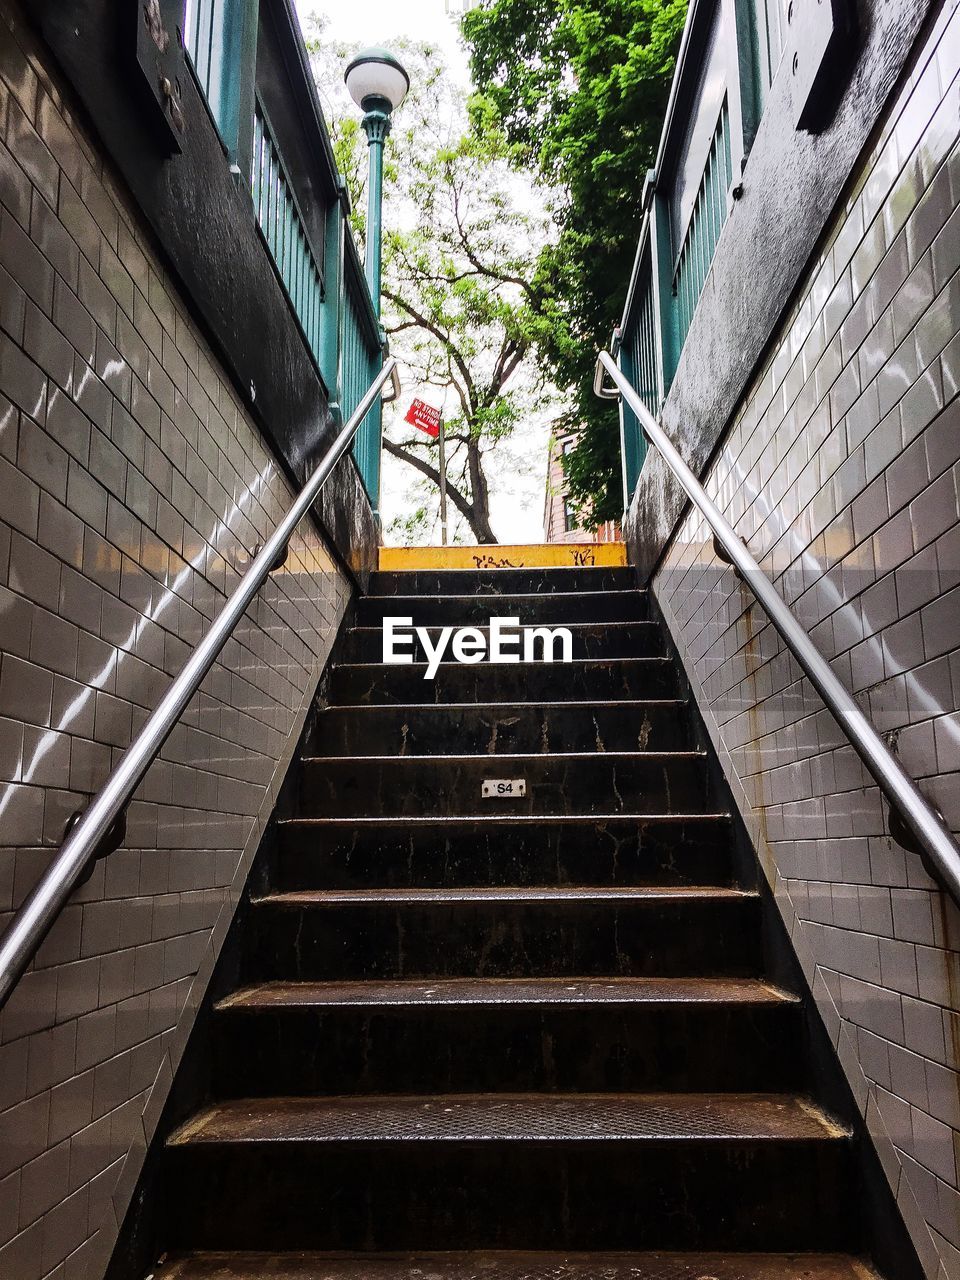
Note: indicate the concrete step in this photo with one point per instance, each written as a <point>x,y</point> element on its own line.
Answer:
<point>524,1265</point>
<point>546,607</point>
<point>500,582</point>
<point>745,1171</point>
<point>465,1035</point>
<point>496,728</point>
<point>444,786</point>
<point>504,932</point>
<point>589,640</point>
<point>612,679</point>
<point>624,849</point>
<point>505,556</point>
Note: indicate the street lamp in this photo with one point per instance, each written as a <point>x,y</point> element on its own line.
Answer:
<point>378,84</point>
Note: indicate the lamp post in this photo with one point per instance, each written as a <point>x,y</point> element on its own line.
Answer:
<point>378,84</point>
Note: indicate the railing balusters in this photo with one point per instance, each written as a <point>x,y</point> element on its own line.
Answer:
<point>706,222</point>
<point>286,238</point>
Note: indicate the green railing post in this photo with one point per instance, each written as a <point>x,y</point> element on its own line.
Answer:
<point>376,125</point>
<point>378,84</point>
<point>361,356</point>
<point>332,307</point>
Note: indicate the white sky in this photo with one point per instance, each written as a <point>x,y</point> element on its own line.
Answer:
<point>517,471</point>
<point>374,22</point>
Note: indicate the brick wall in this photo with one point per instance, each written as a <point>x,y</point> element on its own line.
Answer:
<point>841,471</point>
<point>132,486</point>
<point>554,515</point>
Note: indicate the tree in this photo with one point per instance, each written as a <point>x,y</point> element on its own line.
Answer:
<point>579,88</point>
<point>463,233</point>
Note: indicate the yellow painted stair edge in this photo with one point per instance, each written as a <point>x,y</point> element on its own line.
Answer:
<point>548,555</point>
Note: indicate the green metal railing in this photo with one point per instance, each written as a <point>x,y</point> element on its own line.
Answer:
<point>640,361</point>
<point>213,36</point>
<point>315,257</point>
<point>361,355</point>
<point>283,228</point>
<point>360,359</point>
<point>706,222</point>
<point>203,23</point>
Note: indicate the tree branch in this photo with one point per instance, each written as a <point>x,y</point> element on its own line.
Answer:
<point>438,333</point>
<point>431,473</point>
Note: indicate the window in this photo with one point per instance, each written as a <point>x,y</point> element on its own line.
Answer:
<point>569,516</point>
<point>567,446</point>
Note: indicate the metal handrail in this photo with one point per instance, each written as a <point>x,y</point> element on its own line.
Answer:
<point>935,842</point>
<point>84,843</point>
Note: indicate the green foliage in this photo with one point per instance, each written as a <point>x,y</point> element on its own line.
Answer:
<point>579,89</point>
<point>413,526</point>
<point>463,234</point>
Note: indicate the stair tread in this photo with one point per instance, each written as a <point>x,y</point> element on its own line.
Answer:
<point>520,893</point>
<point>505,757</point>
<point>652,660</point>
<point>574,626</point>
<point>512,1118</point>
<point>394,707</point>
<point>507,819</point>
<point>494,1265</point>
<point>501,991</point>
<point>626,593</point>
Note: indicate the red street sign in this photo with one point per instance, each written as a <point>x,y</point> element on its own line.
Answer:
<point>425,417</point>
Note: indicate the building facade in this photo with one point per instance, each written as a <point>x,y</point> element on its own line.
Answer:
<point>560,520</point>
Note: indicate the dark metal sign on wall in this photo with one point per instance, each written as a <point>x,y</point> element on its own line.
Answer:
<point>160,57</point>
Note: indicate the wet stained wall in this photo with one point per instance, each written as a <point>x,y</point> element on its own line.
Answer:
<point>840,469</point>
<point>133,484</point>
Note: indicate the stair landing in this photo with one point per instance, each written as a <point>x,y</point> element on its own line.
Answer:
<point>545,555</point>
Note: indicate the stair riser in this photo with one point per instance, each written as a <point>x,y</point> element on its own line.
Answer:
<point>494,582</point>
<point>506,938</point>
<point>485,853</point>
<point>516,1265</point>
<point>664,1194</point>
<point>505,682</point>
<point>418,786</point>
<point>476,610</point>
<point>501,729</point>
<point>506,1048</point>
<point>635,640</point>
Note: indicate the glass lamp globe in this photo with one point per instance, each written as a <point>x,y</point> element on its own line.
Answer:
<point>376,73</point>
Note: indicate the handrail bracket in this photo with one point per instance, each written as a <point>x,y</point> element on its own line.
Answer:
<point>721,553</point>
<point>110,842</point>
<point>901,834</point>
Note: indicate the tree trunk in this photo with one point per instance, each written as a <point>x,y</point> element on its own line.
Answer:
<point>476,513</point>
<point>481,495</point>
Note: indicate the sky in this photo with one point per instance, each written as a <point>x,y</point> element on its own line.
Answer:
<point>374,22</point>
<point>518,475</point>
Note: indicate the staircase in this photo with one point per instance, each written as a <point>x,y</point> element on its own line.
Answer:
<point>507,1038</point>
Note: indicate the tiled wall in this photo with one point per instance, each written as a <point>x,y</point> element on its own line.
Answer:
<point>131,486</point>
<point>841,472</point>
